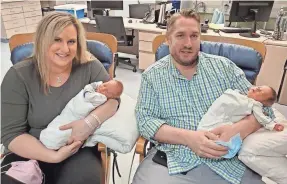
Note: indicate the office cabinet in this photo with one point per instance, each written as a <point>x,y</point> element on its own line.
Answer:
<point>283,95</point>
<point>19,17</point>
<point>146,57</point>
<point>271,72</point>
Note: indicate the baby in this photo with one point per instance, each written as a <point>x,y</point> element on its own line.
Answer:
<point>233,106</point>
<point>79,107</point>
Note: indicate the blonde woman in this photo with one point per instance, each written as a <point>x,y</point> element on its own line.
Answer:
<point>35,91</point>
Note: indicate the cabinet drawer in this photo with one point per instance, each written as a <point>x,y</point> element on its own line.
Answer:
<point>147,36</point>
<point>31,3</point>
<point>33,20</point>
<point>33,13</point>
<point>14,23</point>
<point>145,60</point>
<point>12,17</point>
<point>12,11</point>
<point>31,8</point>
<point>145,46</point>
<point>31,28</point>
<point>11,5</point>
<point>14,31</point>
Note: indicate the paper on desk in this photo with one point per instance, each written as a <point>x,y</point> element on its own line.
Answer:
<point>215,26</point>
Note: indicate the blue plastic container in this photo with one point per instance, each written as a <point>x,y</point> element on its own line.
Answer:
<point>74,9</point>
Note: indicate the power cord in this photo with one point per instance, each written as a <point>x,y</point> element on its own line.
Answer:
<point>132,163</point>
<point>219,33</point>
<point>115,164</point>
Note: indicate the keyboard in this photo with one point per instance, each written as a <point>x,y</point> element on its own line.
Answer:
<point>235,30</point>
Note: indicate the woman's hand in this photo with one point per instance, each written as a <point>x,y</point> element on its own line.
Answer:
<point>80,131</point>
<point>66,151</point>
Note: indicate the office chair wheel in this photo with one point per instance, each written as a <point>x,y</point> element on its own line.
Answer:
<point>134,70</point>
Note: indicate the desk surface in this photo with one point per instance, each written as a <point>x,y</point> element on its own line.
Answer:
<point>138,25</point>
<point>135,24</point>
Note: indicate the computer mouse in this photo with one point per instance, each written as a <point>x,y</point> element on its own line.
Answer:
<point>130,21</point>
<point>216,30</point>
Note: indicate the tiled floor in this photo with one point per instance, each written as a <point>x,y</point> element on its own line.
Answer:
<point>131,83</point>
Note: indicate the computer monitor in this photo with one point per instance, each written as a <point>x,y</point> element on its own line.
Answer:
<point>94,7</point>
<point>250,11</point>
<point>112,5</point>
<point>138,11</point>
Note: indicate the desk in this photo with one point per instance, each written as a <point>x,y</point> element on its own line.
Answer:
<point>271,71</point>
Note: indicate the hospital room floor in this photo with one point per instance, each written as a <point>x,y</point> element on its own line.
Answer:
<point>131,83</point>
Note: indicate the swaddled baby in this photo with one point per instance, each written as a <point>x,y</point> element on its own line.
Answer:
<point>92,96</point>
<point>233,106</point>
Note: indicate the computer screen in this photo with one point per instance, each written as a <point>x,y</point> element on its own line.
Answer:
<point>138,11</point>
<point>243,11</point>
<point>113,5</point>
<point>250,11</point>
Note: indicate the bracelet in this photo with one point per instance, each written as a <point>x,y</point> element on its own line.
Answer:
<point>97,118</point>
<point>88,123</point>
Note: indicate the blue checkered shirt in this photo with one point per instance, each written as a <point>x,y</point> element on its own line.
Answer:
<point>167,97</point>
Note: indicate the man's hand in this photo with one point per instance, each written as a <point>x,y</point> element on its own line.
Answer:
<point>224,132</point>
<point>80,131</point>
<point>202,143</point>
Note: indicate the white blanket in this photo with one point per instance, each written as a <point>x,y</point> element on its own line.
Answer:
<point>265,152</point>
<point>231,107</point>
<point>118,133</point>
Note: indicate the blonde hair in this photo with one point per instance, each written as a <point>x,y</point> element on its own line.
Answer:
<point>49,27</point>
<point>186,13</point>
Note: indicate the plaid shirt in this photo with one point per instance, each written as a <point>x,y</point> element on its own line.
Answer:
<point>167,97</point>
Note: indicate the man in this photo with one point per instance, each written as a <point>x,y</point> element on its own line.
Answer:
<point>175,93</point>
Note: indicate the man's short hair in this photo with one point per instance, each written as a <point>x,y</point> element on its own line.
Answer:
<point>186,13</point>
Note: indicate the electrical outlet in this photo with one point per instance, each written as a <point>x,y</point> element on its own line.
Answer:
<point>226,5</point>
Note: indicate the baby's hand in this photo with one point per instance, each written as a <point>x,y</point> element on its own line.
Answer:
<point>278,127</point>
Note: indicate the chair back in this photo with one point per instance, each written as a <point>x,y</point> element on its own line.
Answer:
<point>102,46</point>
<point>246,54</point>
<point>112,25</point>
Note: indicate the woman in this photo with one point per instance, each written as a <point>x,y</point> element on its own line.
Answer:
<point>35,91</point>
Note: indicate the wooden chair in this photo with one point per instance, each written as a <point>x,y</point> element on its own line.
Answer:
<point>111,42</point>
<point>160,39</point>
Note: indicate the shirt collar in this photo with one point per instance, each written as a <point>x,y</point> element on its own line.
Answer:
<point>176,73</point>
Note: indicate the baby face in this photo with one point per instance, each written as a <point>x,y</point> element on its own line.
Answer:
<point>260,94</point>
<point>110,89</point>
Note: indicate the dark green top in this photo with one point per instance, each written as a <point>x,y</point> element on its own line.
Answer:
<point>25,107</point>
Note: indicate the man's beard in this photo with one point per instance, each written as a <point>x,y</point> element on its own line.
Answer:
<point>189,63</point>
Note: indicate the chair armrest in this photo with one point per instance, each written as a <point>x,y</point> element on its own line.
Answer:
<point>101,147</point>
<point>140,147</point>
<point>105,158</point>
